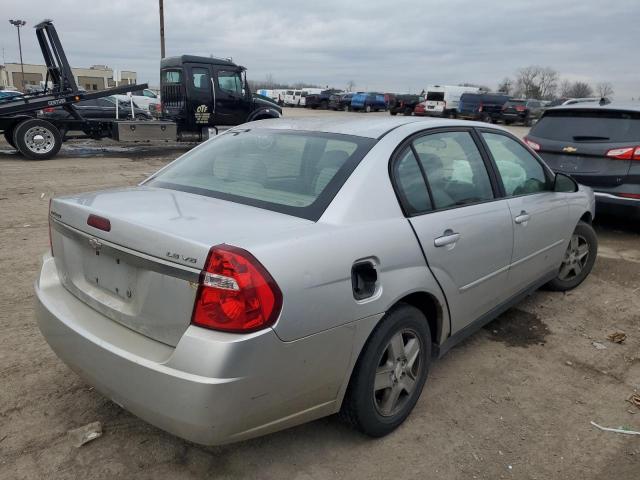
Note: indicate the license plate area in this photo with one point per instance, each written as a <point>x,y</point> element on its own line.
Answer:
<point>111,274</point>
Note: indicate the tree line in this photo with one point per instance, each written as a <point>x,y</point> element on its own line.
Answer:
<point>544,83</point>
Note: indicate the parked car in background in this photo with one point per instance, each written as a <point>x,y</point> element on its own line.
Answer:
<point>143,99</point>
<point>485,107</point>
<point>404,104</point>
<point>321,99</point>
<point>599,146</point>
<point>292,98</point>
<point>442,100</point>
<point>341,101</point>
<point>368,102</point>
<point>100,108</point>
<point>198,300</point>
<point>6,95</point>
<point>521,111</point>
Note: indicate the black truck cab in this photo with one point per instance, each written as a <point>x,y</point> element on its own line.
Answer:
<point>200,93</point>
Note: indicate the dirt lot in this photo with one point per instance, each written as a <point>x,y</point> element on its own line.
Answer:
<point>513,401</point>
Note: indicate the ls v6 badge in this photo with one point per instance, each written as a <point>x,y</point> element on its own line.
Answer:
<point>177,256</point>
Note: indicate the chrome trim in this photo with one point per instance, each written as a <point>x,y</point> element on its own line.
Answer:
<point>131,257</point>
<point>615,197</point>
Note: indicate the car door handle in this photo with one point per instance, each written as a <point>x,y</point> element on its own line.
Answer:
<point>522,218</point>
<point>449,237</point>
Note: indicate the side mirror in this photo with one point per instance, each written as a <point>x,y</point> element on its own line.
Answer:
<point>565,184</point>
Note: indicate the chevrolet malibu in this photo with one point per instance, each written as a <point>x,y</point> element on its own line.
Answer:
<point>291,269</point>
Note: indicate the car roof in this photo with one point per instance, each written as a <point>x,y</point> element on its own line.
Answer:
<point>629,107</point>
<point>370,127</point>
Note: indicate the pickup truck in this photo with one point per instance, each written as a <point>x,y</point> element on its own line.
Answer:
<point>320,100</point>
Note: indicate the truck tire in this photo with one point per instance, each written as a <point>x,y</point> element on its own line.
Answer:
<point>37,139</point>
<point>8,136</point>
<point>324,105</point>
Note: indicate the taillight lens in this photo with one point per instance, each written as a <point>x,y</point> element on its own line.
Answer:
<point>48,110</point>
<point>624,153</point>
<point>98,222</point>
<point>519,108</point>
<point>630,195</point>
<point>236,293</point>
<point>533,145</point>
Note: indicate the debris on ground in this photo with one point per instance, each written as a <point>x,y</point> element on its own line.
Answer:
<point>615,430</point>
<point>85,434</point>
<point>599,346</point>
<point>634,399</point>
<point>617,337</point>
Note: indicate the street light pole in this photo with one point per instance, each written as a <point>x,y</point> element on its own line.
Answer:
<point>18,24</point>
<point>161,6</point>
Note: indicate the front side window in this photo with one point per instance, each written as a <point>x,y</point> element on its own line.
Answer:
<point>200,78</point>
<point>296,173</point>
<point>230,82</point>
<point>521,173</point>
<point>454,168</point>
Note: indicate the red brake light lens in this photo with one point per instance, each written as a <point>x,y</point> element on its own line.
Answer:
<point>520,108</point>
<point>630,195</point>
<point>98,222</point>
<point>533,145</point>
<point>236,293</point>
<point>50,238</point>
<point>624,153</point>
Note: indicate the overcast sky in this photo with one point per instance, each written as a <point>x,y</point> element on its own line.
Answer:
<point>396,45</point>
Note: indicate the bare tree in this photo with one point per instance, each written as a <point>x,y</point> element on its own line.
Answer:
<point>565,88</point>
<point>269,81</point>
<point>580,90</point>
<point>536,82</point>
<point>604,89</point>
<point>505,86</point>
<point>350,85</point>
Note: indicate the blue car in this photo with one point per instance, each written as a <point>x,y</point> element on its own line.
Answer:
<point>368,102</point>
<point>8,94</point>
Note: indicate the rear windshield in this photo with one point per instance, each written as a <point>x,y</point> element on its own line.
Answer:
<point>516,102</point>
<point>589,126</point>
<point>292,172</point>
<point>435,96</point>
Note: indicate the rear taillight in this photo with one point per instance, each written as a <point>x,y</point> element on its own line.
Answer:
<point>236,293</point>
<point>50,238</point>
<point>519,108</point>
<point>624,153</point>
<point>48,110</point>
<point>533,145</point>
<point>635,196</point>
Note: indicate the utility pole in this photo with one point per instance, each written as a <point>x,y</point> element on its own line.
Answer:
<point>18,24</point>
<point>161,28</point>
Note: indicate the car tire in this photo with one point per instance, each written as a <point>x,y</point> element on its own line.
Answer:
<point>527,121</point>
<point>487,118</point>
<point>8,136</point>
<point>368,109</point>
<point>578,259</point>
<point>347,108</point>
<point>391,112</point>
<point>37,139</point>
<point>387,382</point>
<point>408,112</point>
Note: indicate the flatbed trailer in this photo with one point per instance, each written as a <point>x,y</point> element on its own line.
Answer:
<point>220,99</point>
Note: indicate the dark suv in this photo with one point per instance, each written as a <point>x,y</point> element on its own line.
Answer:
<point>404,104</point>
<point>523,111</point>
<point>486,107</point>
<point>598,145</point>
<point>320,100</point>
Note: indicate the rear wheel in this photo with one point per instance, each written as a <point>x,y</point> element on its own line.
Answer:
<point>578,259</point>
<point>37,139</point>
<point>393,113</point>
<point>487,118</point>
<point>391,371</point>
<point>367,109</point>
<point>347,108</point>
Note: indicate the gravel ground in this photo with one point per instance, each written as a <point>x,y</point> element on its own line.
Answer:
<point>514,401</point>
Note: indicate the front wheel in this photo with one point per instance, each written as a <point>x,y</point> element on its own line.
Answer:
<point>368,109</point>
<point>37,139</point>
<point>390,373</point>
<point>578,259</point>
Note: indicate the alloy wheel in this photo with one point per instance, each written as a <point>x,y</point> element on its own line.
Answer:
<point>575,258</point>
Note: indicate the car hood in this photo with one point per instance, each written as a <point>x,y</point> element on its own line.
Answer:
<point>262,101</point>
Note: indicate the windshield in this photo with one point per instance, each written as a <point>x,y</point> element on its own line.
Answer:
<point>292,172</point>
<point>589,126</point>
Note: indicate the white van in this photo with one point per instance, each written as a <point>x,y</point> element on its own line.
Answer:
<point>442,100</point>
<point>292,98</point>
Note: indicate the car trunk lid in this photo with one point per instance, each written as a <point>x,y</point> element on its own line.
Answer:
<point>143,272</point>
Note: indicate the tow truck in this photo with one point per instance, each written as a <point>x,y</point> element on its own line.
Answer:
<point>201,96</point>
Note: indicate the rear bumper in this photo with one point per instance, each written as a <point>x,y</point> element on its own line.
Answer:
<point>213,387</point>
<point>608,203</point>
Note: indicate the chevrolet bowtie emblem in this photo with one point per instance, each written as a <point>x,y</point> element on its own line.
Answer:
<point>569,149</point>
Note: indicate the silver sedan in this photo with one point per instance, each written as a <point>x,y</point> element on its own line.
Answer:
<point>291,269</point>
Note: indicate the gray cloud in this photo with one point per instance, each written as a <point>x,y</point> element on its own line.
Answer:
<point>391,46</point>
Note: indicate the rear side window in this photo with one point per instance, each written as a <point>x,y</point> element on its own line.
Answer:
<point>521,173</point>
<point>589,126</point>
<point>454,168</point>
<point>410,184</point>
<point>296,173</point>
<point>171,76</point>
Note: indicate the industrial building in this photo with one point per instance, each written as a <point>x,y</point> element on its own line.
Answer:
<point>96,77</point>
